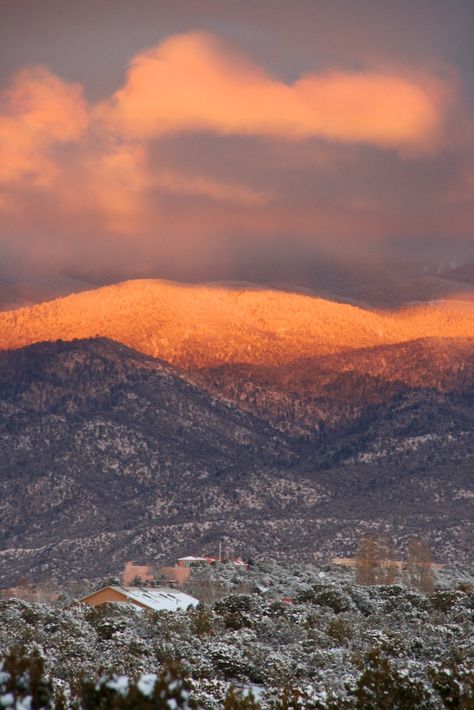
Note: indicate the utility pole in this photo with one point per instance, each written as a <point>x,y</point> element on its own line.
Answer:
<point>220,551</point>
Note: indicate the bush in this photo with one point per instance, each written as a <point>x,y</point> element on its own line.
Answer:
<point>445,600</point>
<point>22,681</point>
<point>230,661</point>
<point>325,596</point>
<point>381,686</point>
<point>235,611</point>
<point>236,700</point>
<point>340,630</point>
<point>149,692</point>
<point>455,685</point>
<point>202,621</point>
<point>295,698</point>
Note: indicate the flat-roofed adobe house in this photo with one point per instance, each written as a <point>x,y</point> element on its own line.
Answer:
<point>146,573</point>
<point>151,598</point>
<point>181,571</point>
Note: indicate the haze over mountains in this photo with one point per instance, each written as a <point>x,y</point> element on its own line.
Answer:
<point>274,421</point>
<point>381,284</point>
<point>19,289</point>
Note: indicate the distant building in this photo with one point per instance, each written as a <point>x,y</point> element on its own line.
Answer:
<point>190,561</point>
<point>150,598</point>
<point>181,571</point>
<point>146,573</point>
<point>29,593</point>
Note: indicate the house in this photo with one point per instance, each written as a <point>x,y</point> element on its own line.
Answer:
<point>190,561</point>
<point>181,571</point>
<point>150,598</point>
<point>145,573</point>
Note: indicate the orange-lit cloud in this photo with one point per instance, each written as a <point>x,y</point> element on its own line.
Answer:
<point>38,112</point>
<point>118,183</point>
<point>193,82</point>
<point>215,190</point>
<point>136,169</point>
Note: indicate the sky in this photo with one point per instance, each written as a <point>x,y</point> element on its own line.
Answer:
<point>210,139</point>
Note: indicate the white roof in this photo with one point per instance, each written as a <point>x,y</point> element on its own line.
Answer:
<point>158,598</point>
<point>193,559</point>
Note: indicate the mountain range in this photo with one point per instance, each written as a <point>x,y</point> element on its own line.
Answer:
<point>206,325</point>
<point>150,419</point>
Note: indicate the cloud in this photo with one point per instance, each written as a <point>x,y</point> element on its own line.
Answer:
<point>203,154</point>
<point>213,189</point>
<point>193,82</point>
<point>38,112</point>
<point>51,139</point>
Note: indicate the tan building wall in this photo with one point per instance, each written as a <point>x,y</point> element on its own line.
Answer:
<point>145,572</point>
<point>104,595</point>
<point>176,574</point>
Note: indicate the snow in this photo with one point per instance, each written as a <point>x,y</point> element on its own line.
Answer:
<point>252,641</point>
<point>158,599</point>
<point>146,684</point>
<point>118,683</point>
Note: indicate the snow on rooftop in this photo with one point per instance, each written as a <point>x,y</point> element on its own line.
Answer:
<point>158,598</point>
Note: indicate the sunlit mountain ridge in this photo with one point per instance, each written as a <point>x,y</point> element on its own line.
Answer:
<point>195,326</point>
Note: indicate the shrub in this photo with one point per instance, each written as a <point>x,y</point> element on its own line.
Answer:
<point>235,611</point>
<point>340,630</point>
<point>455,685</point>
<point>149,692</point>
<point>445,600</point>
<point>325,596</point>
<point>22,681</point>
<point>236,700</point>
<point>381,686</point>
<point>202,621</point>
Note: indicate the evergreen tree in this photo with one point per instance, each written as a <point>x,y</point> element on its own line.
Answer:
<point>380,686</point>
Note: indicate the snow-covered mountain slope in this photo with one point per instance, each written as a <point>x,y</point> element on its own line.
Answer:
<point>202,326</point>
<point>107,454</point>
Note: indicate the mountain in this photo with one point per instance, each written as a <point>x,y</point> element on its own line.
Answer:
<point>311,396</point>
<point>463,274</point>
<point>107,454</point>
<point>387,284</point>
<point>149,419</point>
<point>399,292</point>
<point>19,289</point>
<point>208,325</point>
<point>94,435</point>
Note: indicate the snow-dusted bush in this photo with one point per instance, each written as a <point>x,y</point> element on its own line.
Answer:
<point>308,639</point>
